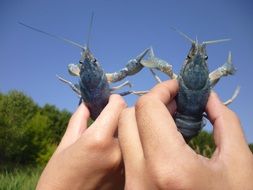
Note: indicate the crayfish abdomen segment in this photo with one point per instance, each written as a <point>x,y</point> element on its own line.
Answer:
<point>188,126</point>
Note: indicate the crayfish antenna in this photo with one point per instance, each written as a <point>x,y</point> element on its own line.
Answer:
<point>86,51</point>
<point>52,35</point>
<point>183,34</point>
<point>216,41</point>
<point>90,27</point>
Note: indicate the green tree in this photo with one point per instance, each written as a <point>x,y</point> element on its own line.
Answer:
<point>203,144</point>
<point>36,137</point>
<point>28,133</point>
<point>251,147</point>
<point>15,110</point>
<point>58,121</point>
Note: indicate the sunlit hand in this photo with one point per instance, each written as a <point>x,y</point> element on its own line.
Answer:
<point>156,156</point>
<point>87,158</point>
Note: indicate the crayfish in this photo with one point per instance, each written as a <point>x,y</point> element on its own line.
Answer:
<point>93,88</point>
<point>195,84</point>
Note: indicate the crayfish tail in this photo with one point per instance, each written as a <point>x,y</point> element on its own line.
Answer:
<point>188,126</point>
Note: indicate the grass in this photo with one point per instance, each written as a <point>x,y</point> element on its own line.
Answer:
<point>19,179</point>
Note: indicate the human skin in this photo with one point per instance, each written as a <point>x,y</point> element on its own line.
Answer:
<point>87,158</point>
<point>156,156</point>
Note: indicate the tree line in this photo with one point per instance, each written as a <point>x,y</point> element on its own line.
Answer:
<point>29,133</point>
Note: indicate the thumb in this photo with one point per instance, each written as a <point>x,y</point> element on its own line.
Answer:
<point>77,125</point>
<point>226,125</point>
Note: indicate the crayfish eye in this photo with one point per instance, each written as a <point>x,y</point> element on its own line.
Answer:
<point>95,62</point>
<point>206,57</point>
<point>188,57</point>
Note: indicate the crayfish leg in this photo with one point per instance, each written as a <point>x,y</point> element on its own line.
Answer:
<point>139,93</point>
<point>74,87</point>
<point>155,76</point>
<point>127,83</point>
<point>235,94</point>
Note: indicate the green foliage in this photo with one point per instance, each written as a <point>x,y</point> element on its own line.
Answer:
<point>16,109</point>
<point>203,144</point>
<point>58,120</point>
<point>36,136</point>
<point>28,133</point>
<point>19,179</point>
<point>251,147</point>
<point>45,154</point>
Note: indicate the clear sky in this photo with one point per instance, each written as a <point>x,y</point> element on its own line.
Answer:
<point>122,29</point>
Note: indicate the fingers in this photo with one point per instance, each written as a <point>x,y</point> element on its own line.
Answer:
<point>76,126</point>
<point>227,127</point>
<point>156,126</point>
<point>129,140</point>
<point>107,121</point>
<point>165,91</point>
<point>136,176</point>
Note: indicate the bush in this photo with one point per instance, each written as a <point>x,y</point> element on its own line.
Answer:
<point>251,147</point>
<point>16,108</point>
<point>203,144</point>
<point>29,133</point>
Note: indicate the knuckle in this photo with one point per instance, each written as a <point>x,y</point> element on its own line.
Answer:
<point>106,152</point>
<point>173,176</point>
<point>168,179</point>
<point>97,141</point>
<point>114,159</point>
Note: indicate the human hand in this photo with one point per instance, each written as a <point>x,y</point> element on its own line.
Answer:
<point>156,156</point>
<point>87,158</point>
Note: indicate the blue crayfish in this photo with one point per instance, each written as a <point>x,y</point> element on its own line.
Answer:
<point>93,87</point>
<point>195,84</point>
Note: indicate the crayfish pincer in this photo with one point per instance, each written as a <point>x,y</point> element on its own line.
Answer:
<point>195,84</point>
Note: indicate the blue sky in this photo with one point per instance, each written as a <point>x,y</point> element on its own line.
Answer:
<point>121,30</point>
